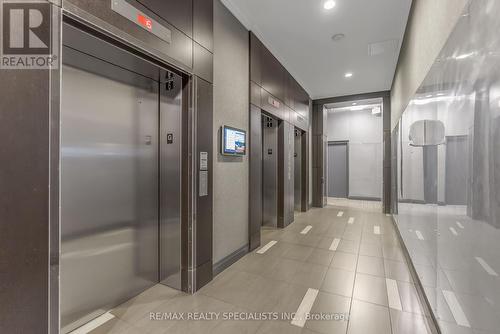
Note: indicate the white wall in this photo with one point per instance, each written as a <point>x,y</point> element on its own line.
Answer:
<point>231,103</point>
<point>430,24</point>
<point>364,133</point>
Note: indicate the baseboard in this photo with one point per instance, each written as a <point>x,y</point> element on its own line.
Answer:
<point>433,323</point>
<point>363,198</point>
<point>227,261</point>
<point>411,201</point>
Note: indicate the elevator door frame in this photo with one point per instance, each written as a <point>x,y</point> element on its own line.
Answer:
<point>267,220</point>
<point>185,127</point>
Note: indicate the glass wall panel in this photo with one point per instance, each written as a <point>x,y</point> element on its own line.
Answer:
<point>446,161</point>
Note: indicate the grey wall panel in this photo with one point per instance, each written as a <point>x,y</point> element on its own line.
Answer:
<point>231,107</point>
<point>364,133</point>
<point>203,62</point>
<point>177,13</point>
<point>180,50</point>
<point>456,170</point>
<point>203,23</point>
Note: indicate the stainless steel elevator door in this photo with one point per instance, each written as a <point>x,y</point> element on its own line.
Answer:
<point>269,172</point>
<point>109,191</point>
<point>338,177</point>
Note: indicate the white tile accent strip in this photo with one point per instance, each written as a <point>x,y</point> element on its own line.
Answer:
<point>459,224</point>
<point>453,231</point>
<point>455,308</point>
<point>305,308</point>
<point>340,214</point>
<point>351,220</point>
<point>335,244</point>
<point>376,229</point>
<point>266,247</point>
<point>393,294</point>
<point>306,229</point>
<point>90,326</point>
<point>486,266</point>
<point>419,235</point>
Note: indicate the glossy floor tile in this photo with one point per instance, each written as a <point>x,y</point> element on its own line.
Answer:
<point>345,289</point>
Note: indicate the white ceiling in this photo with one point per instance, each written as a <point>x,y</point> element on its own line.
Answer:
<point>299,33</point>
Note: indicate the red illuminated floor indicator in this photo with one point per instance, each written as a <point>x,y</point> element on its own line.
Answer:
<point>144,21</point>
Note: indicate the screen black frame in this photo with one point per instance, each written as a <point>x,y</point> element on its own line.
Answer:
<point>223,141</point>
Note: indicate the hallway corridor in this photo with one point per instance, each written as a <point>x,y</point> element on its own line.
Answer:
<point>334,261</point>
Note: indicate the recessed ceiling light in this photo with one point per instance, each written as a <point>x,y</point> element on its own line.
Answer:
<point>329,4</point>
<point>354,103</point>
<point>429,95</point>
<point>348,75</point>
<point>338,37</point>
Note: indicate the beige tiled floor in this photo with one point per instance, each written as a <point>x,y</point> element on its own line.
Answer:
<point>350,280</point>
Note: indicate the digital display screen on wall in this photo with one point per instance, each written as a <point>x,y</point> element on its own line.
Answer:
<point>234,141</point>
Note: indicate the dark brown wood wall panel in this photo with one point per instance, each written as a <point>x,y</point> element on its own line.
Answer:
<point>273,75</point>
<point>177,13</point>
<point>255,60</point>
<point>24,198</point>
<point>203,23</point>
<point>204,204</point>
<point>255,205</point>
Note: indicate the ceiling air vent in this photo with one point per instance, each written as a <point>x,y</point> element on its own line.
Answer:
<point>378,48</point>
